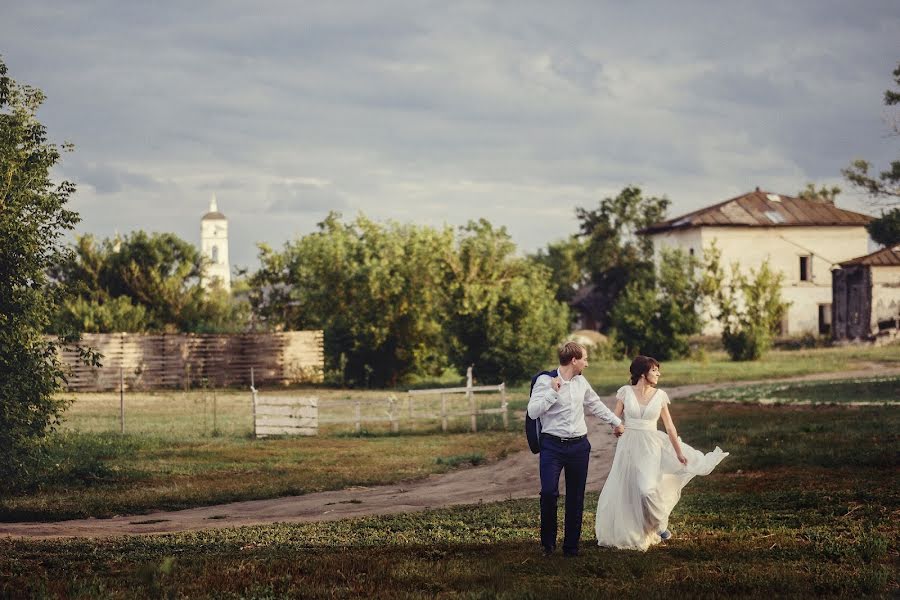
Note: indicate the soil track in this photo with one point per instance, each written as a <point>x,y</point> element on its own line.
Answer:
<point>513,477</point>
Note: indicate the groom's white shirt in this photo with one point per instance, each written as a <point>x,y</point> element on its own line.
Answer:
<point>562,413</point>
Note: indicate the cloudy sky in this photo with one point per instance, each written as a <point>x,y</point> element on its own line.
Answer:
<point>442,112</point>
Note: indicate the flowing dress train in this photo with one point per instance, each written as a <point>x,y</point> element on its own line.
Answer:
<point>646,479</point>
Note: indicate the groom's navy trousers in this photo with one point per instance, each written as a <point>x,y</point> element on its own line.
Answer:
<point>572,457</point>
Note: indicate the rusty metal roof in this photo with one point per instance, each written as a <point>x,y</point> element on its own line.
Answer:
<point>886,257</point>
<point>764,209</point>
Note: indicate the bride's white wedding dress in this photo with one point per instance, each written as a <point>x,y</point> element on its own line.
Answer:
<point>645,481</point>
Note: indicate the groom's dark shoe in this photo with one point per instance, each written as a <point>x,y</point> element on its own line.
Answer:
<point>570,553</point>
<point>547,550</point>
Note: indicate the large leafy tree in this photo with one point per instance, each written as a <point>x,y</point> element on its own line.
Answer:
<point>615,254</point>
<point>33,221</point>
<point>397,300</point>
<point>376,290</point>
<point>657,317</point>
<point>142,282</point>
<point>503,317</point>
<point>565,260</point>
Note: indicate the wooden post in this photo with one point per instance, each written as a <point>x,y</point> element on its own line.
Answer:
<point>358,416</point>
<point>215,422</point>
<point>504,405</point>
<point>444,413</point>
<point>470,396</point>
<point>253,400</point>
<point>121,400</point>
<point>392,408</point>
<point>409,405</point>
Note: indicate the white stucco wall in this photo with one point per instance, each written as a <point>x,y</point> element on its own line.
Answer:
<point>783,247</point>
<point>885,294</point>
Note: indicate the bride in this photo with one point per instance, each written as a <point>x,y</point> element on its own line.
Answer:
<point>648,471</point>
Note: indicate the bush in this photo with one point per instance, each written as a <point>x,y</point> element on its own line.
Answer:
<point>658,319</point>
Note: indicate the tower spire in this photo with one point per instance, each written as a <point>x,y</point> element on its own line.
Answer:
<point>213,207</point>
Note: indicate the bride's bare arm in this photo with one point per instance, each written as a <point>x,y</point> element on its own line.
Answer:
<point>619,411</point>
<point>673,434</point>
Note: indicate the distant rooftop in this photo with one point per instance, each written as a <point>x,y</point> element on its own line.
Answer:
<point>764,209</point>
<point>886,257</point>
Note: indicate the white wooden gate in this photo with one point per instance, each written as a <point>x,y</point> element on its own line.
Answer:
<point>275,415</point>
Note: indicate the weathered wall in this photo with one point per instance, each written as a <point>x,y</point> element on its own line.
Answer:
<point>783,247</point>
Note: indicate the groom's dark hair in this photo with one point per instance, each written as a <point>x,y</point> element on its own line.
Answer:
<point>641,365</point>
<point>569,352</point>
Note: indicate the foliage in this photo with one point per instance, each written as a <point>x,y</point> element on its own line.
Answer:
<point>400,300</point>
<point>502,315</point>
<point>142,282</point>
<point>885,189</point>
<point>376,290</point>
<point>823,194</point>
<point>885,230</point>
<point>614,253</point>
<point>565,261</point>
<point>750,307</point>
<point>657,318</point>
<point>33,220</point>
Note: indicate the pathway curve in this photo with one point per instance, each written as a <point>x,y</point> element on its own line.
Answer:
<point>516,476</point>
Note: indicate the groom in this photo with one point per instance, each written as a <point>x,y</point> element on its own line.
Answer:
<point>559,402</point>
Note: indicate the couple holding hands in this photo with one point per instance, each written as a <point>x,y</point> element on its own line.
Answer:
<point>649,468</point>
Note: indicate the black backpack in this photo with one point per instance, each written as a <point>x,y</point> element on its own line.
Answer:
<point>533,426</point>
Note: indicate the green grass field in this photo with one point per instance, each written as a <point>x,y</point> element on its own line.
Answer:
<point>806,505</point>
<point>868,390</point>
<point>185,449</point>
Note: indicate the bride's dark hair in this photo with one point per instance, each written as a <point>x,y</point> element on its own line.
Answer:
<point>641,365</point>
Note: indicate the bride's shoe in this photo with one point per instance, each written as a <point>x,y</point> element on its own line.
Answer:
<point>665,535</point>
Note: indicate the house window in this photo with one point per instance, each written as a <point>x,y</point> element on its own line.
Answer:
<point>691,251</point>
<point>805,268</point>
<point>824,319</point>
<point>215,254</point>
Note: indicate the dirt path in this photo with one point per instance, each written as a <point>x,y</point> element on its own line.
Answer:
<point>513,477</point>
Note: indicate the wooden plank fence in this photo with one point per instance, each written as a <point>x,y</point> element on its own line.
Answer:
<point>274,415</point>
<point>149,362</point>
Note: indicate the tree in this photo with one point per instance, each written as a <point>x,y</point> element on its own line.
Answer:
<point>885,188</point>
<point>142,282</point>
<point>615,254</point>
<point>503,316</point>
<point>377,292</point>
<point>886,229</point>
<point>657,318</point>
<point>823,194</point>
<point>401,300</point>
<point>750,307</point>
<point>33,220</point>
<point>565,260</point>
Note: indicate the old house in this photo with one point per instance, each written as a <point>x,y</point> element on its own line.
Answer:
<point>804,239</point>
<point>866,296</point>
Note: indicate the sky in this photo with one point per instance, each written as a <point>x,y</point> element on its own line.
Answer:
<point>442,112</point>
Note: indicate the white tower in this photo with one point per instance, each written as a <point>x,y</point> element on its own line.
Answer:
<point>214,247</point>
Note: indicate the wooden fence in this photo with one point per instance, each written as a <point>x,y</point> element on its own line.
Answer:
<point>190,360</point>
<point>441,404</point>
<point>297,415</point>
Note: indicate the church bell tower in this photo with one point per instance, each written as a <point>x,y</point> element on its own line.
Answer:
<point>214,247</point>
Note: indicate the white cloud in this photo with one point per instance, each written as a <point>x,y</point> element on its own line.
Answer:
<point>445,112</point>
